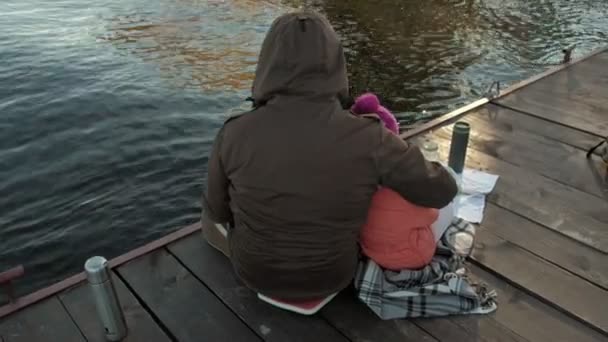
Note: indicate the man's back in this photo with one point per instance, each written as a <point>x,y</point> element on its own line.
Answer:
<point>297,174</point>
<point>301,184</point>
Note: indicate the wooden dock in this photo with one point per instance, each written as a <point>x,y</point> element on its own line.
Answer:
<point>543,245</point>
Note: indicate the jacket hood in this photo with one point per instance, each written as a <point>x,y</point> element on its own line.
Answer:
<point>301,56</point>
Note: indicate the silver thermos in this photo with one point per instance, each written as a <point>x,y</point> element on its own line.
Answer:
<point>103,291</point>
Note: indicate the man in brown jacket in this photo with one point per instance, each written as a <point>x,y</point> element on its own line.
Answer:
<point>295,176</point>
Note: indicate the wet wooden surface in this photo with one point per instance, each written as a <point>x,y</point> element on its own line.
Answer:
<point>273,324</point>
<point>188,309</point>
<point>541,154</point>
<point>576,97</point>
<point>142,327</point>
<point>45,321</point>
<point>554,205</point>
<point>543,246</point>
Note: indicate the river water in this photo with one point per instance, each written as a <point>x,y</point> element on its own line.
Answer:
<point>108,108</point>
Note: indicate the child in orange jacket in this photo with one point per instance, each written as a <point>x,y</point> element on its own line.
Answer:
<point>398,234</point>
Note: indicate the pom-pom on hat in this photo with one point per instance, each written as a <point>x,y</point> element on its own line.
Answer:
<point>368,103</point>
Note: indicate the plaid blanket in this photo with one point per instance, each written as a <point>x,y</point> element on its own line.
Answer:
<point>439,289</point>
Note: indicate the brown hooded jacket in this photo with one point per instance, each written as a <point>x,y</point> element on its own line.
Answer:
<point>296,175</point>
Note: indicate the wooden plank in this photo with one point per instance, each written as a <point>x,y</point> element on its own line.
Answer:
<point>548,157</point>
<point>553,213</point>
<point>576,96</point>
<point>67,283</point>
<point>532,319</point>
<point>507,120</point>
<point>215,270</point>
<point>45,321</point>
<point>454,115</point>
<point>352,318</point>
<point>580,298</point>
<point>468,328</point>
<point>514,316</point>
<point>141,327</point>
<point>575,257</point>
<point>487,327</point>
<point>571,212</point>
<point>444,329</point>
<point>40,295</point>
<point>182,303</point>
<point>360,324</point>
<point>156,244</point>
<point>550,71</point>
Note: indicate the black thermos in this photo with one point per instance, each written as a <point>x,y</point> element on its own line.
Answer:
<point>458,147</point>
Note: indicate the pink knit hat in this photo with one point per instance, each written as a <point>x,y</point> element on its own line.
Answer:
<point>368,103</point>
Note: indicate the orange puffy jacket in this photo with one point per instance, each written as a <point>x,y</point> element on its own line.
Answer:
<point>398,234</point>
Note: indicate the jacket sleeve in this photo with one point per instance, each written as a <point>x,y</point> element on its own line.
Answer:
<point>217,201</point>
<point>404,169</point>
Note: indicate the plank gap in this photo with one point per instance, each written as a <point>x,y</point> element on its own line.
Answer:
<point>84,337</point>
<point>542,199</point>
<point>185,305</point>
<point>324,319</point>
<point>355,319</point>
<point>491,318</point>
<point>535,295</point>
<point>538,222</point>
<point>149,310</point>
<point>426,331</point>
<point>506,146</point>
<point>276,325</point>
<point>553,247</point>
<point>544,118</point>
<point>512,119</point>
<point>213,292</point>
<point>47,320</point>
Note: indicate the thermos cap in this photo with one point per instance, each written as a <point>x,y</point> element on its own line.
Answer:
<point>97,270</point>
<point>462,127</point>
